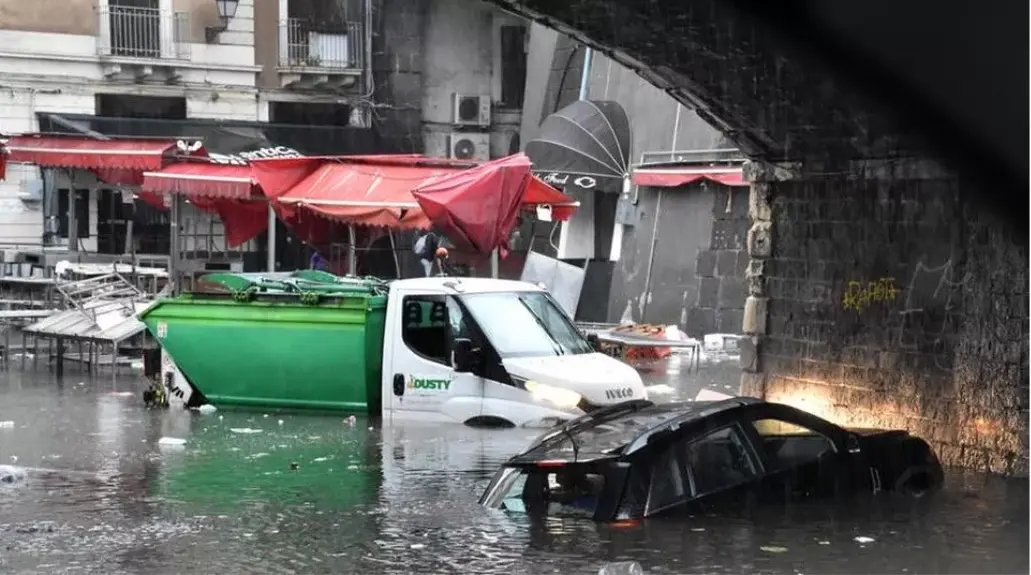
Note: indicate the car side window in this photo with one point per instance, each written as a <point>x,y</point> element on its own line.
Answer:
<point>686,469</point>
<point>787,445</point>
<point>425,326</point>
<point>719,460</point>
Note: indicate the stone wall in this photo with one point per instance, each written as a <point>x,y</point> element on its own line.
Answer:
<point>882,297</point>
<point>721,268</point>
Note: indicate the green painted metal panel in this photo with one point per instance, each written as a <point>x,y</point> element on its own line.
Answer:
<point>312,349</point>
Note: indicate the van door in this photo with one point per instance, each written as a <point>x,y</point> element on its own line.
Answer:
<point>424,385</point>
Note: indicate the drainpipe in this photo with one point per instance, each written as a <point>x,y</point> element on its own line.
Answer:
<point>655,223</point>
<point>585,76</point>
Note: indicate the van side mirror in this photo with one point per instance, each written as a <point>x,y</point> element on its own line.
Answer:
<point>593,341</point>
<point>463,355</point>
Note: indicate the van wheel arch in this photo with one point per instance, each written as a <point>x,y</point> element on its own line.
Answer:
<point>489,421</point>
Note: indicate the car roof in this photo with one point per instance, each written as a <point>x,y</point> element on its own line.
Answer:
<point>607,433</point>
<point>464,285</point>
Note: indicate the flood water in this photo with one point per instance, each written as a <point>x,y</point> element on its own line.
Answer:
<point>102,495</point>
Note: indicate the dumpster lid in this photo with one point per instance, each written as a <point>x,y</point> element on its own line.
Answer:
<point>297,282</point>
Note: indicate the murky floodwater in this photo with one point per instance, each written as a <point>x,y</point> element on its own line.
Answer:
<point>102,495</point>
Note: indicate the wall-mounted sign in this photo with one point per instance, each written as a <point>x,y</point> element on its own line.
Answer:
<point>243,158</point>
<point>560,180</point>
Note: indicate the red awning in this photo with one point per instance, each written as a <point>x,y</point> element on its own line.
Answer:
<point>366,192</point>
<point>204,179</point>
<point>478,206</point>
<point>89,153</point>
<point>673,176</point>
<point>538,192</point>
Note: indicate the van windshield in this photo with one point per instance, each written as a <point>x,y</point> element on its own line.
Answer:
<point>570,491</point>
<point>525,324</point>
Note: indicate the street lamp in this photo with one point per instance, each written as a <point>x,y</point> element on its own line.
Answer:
<point>226,11</point>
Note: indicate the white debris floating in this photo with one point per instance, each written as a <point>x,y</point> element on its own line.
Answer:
<point>171,442</point>
<point>207,408</point>
<point>622,568</point>
<point>6,425</point>
<point>244,430</point>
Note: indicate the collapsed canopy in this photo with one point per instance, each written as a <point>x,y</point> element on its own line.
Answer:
<point>405,192</point>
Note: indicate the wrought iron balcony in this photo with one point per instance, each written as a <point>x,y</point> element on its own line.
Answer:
<point>303,46</point>
<point>144,33</point>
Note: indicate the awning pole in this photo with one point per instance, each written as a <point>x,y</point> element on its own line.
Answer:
<point>173,240</point>
<point>393,250</point>
<point>494,264</point>
<point>352,265</point>
<point>271,265</point>
<point>651,255</point>
<point>73,224</point>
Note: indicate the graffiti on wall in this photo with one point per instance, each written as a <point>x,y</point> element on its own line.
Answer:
<point>858,296</point>
<point>929,311</point>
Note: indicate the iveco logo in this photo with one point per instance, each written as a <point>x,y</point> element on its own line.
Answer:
<point>619,393</point>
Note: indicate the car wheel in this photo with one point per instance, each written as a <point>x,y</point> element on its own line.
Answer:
<point>916,481</point>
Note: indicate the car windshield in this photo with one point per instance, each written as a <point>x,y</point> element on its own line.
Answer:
<point>525,324</point>
<point>569,491</point>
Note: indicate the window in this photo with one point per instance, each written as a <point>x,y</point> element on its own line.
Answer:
<point>513,66</point>
<point>711,463</point>
<point>81,213</point>
<point>572,491</point>
<point>525,324</point>
<point>430,325</point>
<point>425,326</point>
<point>788,445</point>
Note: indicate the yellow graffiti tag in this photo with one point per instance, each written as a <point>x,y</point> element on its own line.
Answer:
<point>858,297</point>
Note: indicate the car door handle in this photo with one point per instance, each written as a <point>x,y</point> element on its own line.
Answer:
<point>399,384</point>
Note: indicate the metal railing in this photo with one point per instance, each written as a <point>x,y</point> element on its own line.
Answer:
<point>301,45</point>
<point>146,33</point>
<point>717,155</point>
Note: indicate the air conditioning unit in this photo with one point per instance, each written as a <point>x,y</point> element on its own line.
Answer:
<point>31,191</point>
<point>471,110</point>
<point>469,146</point>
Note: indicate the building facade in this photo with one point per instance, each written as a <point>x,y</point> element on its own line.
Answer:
<point>439,77</point>
<point>678,260</point>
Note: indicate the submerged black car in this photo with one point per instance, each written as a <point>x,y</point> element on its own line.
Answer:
<point>639,459</point>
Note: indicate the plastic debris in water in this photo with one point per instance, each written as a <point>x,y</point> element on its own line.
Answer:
<point>280,422</point>
<point>773,549</point>
<point>824,543</point>
<point>863,539</point>
<point>621,568</point>
<point>244,430</point>
<point>6,424</point>
<point>10,474</point>
<point>418,546</point>
<point>294,466</point>
<point>352,420</point>
<point>207,408</point>
<point>320,459</point>
<point>171,442</point>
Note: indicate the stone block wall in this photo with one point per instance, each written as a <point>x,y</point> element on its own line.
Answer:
<point>721,267</point>
<point>882,297</point>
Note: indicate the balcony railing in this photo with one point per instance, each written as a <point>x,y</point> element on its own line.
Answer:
<point>302,45</point>
<point>145,33</point>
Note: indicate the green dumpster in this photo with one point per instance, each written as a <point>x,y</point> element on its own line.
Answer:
<point>304,340</point>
